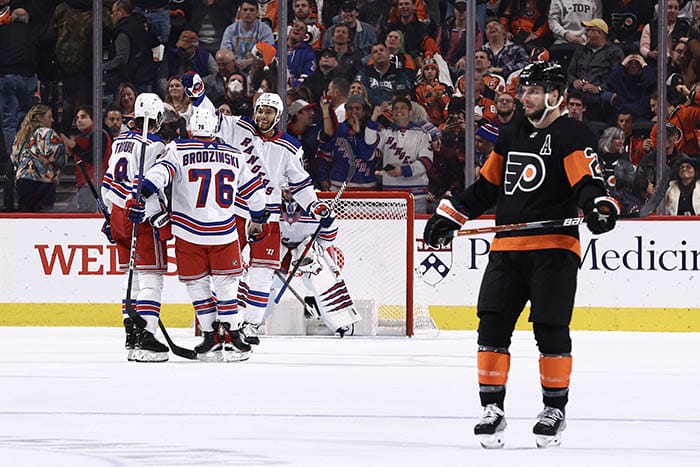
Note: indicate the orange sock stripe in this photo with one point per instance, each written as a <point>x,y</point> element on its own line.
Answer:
<point>493,368</point>
<point>555,372</point>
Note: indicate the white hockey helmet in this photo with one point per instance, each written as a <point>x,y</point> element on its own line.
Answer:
<point>204,123</point>
<point>270,99</point>
<point>149,105</point>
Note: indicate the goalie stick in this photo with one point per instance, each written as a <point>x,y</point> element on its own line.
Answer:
<point>644,211</point>
<point>347,149</point>
<point>307,307</point>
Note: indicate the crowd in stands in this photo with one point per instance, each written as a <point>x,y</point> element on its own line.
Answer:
<point>383,79</point>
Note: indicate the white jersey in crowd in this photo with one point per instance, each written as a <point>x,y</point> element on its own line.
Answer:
<point>207,177</point>
<point>277,160</point>
<point>121,177</point>
<point>407,148</point>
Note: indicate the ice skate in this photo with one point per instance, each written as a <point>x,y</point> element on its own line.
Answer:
<point>209,350</point>
<point>491,427</point>
<point>550,423</point>
<point>235,350</point>
<point>150,349</point>
<point>132,337</point>
<point>249,331</point>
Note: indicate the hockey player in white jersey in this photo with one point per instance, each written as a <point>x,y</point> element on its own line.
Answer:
<point>207,176</point>
<point>118,184</point>
<point>277,158</point>
<point>319,269</point>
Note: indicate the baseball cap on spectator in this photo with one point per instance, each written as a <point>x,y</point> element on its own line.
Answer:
<point>187,39</point>
<point>596,23</point>
<point>539,54</point>
<point>488,132</point>
<point>462,3</point>
<point>673,130</point>
<point>299,105</point>
<point>328,52</point>
<point>492,19</point>
<point>348,5</point>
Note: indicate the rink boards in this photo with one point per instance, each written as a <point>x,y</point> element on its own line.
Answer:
<point>57,270</point>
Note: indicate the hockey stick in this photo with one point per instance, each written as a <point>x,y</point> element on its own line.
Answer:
<point>100,205</point>
<point>347,149</point>
<point>644,211</point>
<point>308,308</point>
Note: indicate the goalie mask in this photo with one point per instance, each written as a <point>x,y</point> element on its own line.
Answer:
<point>291,211</point>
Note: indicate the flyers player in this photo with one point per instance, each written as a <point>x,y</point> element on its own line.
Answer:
<point>542,167</point>
<point>277,158</point>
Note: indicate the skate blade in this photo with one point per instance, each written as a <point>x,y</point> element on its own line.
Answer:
<point>235,356</point>
<point>494,441</point>
<point>131,355</point>
<point>544,441</point>
<point>211,356</point>
<point>148,356</point>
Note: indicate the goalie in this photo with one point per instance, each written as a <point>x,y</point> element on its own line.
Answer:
<point>319,269</point>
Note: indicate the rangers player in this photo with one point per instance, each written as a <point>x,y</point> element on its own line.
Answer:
<point>277,158</point>
<point>118,183</point>
<point>543,166</point>
<point>207,176</point>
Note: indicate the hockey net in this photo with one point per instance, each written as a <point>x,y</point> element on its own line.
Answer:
<point>376,241</point>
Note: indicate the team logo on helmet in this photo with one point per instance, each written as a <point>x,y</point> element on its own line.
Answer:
<point>524,171</point>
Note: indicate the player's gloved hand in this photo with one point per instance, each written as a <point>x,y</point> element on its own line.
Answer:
<point>602,214</point>
<point>194,87</point>
<point>107,230</point>
<point>260,217</point>
<point>137,209</point>
<point>160,223</point>
<point>309,264</point>
<point>438,230</point>
<point>257,232</point>
<point>322,211</point>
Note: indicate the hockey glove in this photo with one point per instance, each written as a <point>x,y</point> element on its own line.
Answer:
<point>107,230</point>
<point>160,223</point>
<point>438,230</point>
<point>322,211</point>
<point>602,214</point>
<point>137,209</point>
<point>260,217</point>
<point>194,87</point>
<point>257,232</point>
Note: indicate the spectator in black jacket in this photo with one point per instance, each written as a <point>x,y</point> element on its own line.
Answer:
<point>629,86</point>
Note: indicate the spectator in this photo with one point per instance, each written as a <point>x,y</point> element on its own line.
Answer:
<point>130,54</point>
<point>209,19</point>
<point>361,33</point>
<point>633,143</point>
<point>349,59</point>
<point>576,108</point>
<point>176,97</point>
<point>359,89</point>
<point>239,103</point>
<point>537,54</point>
<point>566,19</point>
<point>610,151</point>
<point>395,45</point>
<point>683,194</point>
<point>113,120</point>
<point>18,79</point>
<point>447,176</point>
<point>626,20</point>
<point>302,126</point>
<point>451,36</point>
<point>629,86</point>
<point>314,29</point>
<point>525,22</point>
<point>157,14</point>
<point>506,55</point>
<point>685,118</point>
<point>484,142</point>
<point>414,31</point>
<point>505,109</point>
<point>592,64</point>
<point>215,83</point>
<point>80,146</point>
<point>338,91</point>
<point>382,79</point>
<point>301,59</point>
<point>126,98</point>
<point>38,156</point>
<point>647,164</point>
<point>320,79</point>
<point>680,62</point>
<point>186,56</point>
<point>431,93</point>
<point>491,82</point>
<point>243,34</point>
<point>485,105</point>
<point>677,28</point>
<point>406,150</point>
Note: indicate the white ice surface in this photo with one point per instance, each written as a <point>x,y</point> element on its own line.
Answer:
<point>68,397</point>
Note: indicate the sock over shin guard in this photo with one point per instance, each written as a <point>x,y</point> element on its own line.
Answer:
<point>555,375</point>
<point>493,366</point>
<point>259,283</point>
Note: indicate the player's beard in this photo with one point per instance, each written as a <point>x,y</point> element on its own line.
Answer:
<point>264,127</point>
<point>536,115</point>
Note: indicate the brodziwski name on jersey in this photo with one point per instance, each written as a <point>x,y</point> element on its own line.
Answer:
<point>211,157</point>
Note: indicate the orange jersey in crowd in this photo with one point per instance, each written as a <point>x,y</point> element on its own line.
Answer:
<point>434,98</point>
<point>525,15</point>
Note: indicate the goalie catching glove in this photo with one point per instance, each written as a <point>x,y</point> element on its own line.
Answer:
<point>601,214</point>
<point>447,219</point>
<point>322,211</point>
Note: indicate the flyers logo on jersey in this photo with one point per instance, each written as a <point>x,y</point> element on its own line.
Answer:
<point>524,171</point>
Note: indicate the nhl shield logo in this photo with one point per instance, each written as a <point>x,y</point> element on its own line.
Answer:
<point>433,263</point>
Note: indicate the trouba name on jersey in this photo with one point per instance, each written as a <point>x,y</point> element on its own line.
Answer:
<point>209,156</point>
<point>124,146</point>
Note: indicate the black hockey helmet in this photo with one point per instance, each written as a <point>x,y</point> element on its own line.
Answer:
<point>551,75</point>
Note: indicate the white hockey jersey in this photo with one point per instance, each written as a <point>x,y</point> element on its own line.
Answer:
<point>294,230</point>
<point>121,176</point>
<point>207,178</point>
<point>407,148</point>
<point>277,160</point>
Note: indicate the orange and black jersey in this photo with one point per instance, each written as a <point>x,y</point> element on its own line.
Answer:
<point>537,174</point>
